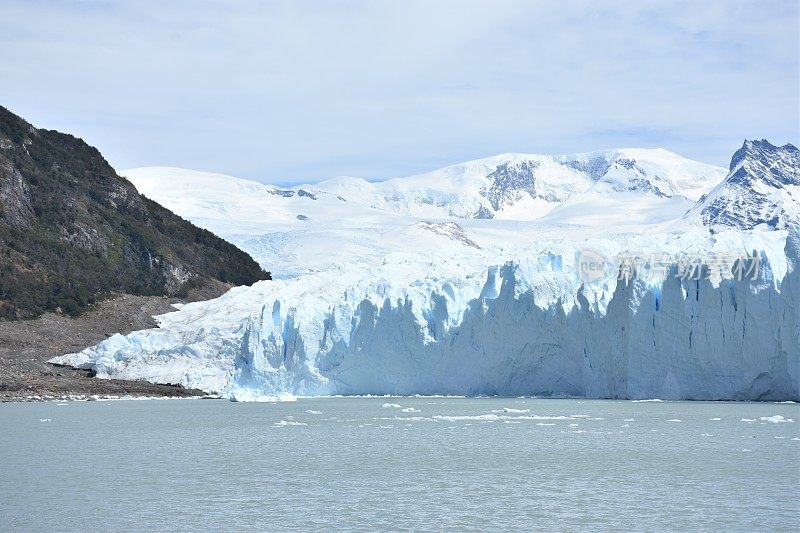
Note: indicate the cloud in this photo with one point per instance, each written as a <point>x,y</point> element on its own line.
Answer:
<point>299,91</point>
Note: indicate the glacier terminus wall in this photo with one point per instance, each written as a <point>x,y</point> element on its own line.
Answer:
<point>501,334</point>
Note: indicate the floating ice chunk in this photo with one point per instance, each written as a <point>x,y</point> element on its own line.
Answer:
<point>776,419</point>
<point>410,410</point>
<point>715,419</point>
<point>479,418</point>
<point>628,420</point>
<point>748,420</point>
<point>413,418</point>
<point>313,412</point>
<point>674,420</point>
<point>511,410</point>
<point>391,406</point>
<point>245,395</point>
<point>44,420</point>
<point>284,423</point>
<point>539,417</point>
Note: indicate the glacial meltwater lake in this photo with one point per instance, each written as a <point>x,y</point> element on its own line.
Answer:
<point>399,463</point>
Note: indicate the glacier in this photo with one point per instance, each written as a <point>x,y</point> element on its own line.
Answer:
<point>376,299</point>
<point>514,330</point>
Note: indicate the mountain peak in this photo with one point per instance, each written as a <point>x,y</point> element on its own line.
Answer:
<point>762,187</point>
<point>755,149</point>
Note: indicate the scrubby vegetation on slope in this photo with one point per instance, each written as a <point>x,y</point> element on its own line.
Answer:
<point>72,231</point>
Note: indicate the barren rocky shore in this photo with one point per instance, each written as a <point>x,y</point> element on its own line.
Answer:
<point>27,345</point>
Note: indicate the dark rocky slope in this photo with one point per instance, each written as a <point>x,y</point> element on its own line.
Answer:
<point>72,231</point>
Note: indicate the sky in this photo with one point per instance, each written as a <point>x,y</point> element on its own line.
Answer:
<point>300,91</point>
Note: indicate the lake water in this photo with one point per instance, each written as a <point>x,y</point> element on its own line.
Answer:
<point>429,464</point>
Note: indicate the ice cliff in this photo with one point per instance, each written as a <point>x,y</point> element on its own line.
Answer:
<point>518,329</point>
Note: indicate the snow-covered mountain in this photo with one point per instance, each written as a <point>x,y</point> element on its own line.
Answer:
<point>527,187</point>
<point>397,287</point>
<point>307,228</point>
<point>762,187</point>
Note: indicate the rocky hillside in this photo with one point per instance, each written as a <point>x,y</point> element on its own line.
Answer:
<point>73,231</point>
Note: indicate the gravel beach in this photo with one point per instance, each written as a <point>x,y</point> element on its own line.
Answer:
<point>27,345</point>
